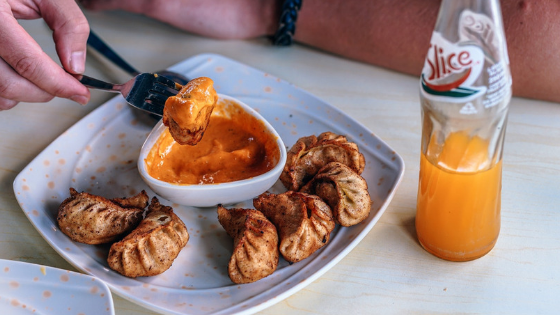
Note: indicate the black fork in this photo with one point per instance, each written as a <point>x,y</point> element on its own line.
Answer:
<point>146,91</point>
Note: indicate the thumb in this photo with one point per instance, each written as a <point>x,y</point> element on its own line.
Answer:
<point>70,32</point>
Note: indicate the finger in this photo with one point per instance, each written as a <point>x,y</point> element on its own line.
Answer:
<point>6,104</point>
<point>70,32</point>
<point>24,55</point>
<point>22,9</point>
<point>15,87</point>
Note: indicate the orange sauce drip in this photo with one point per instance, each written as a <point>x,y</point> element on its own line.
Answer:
<point>458,212</point>
<point>235,146</point>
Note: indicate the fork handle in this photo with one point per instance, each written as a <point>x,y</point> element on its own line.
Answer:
<point>98,44</point>
<point>92,83</point>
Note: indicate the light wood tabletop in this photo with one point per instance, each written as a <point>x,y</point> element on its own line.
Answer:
<point>388,272</point>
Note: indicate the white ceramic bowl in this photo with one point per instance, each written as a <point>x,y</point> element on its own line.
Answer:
<point>207,195</point>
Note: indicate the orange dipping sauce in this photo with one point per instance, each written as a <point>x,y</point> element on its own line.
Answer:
<point>458,211</point>
<point>235,146</point>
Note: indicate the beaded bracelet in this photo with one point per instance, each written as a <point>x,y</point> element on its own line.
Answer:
<point>287,28</point>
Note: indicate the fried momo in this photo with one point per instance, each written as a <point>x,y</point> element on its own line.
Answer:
<point>345,191</point>
<point>311,153</point>
<point>150,248</point>
<point>255,244</point>
<point>188,113</point>
<point>304,222</point>
<point>92,219</point>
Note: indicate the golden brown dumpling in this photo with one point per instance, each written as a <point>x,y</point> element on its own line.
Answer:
<point>311,153</point>
<point>345,191</point>
<point>151,248</point>
<point>188,113</point>
<point>255,244</point>
<point>92,219</point>
<point>304,222</point>
<point>138,201</point>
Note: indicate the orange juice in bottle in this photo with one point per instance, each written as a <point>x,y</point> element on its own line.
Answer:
<point>465,90</point>
<point>458,213</point>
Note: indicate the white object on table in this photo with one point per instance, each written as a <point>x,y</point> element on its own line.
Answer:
<point>34,289</point>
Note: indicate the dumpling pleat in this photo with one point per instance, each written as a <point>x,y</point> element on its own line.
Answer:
<point>92,219</point>
<point>344,190</point>
<point>309,154</point>
<point>304,222</point>
<point>255,253</point>
<point>152,247</point>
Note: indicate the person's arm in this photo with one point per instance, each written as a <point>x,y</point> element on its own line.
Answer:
<point>388,33</point>
<point>396,35</point>
<point>533,38</point>
<point>391,34</point>
<point>231,19</point>
<point>28,74</point>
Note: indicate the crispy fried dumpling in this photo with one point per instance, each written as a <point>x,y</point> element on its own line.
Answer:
<point>345,191</point>
<point>255,244</point>
<point>92,219</point>
<point>188,113</point>
<point>138,201</point>
<point>150,248</point>
<point>309,154</point>
<point>304,222</point>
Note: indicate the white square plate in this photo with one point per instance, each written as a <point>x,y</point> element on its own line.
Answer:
<point>98,155</point>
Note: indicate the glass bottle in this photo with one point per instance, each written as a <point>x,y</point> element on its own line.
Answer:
<point>465,90</point>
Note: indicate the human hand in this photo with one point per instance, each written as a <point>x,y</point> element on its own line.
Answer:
<point>28,73</point>
<point>213,18</point>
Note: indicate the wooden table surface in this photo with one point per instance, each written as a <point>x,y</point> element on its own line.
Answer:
<point>388,272</point>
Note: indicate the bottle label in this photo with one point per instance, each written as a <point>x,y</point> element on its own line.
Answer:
<point>499,83</point>
<point>475,66</point>
<point>451,70</point>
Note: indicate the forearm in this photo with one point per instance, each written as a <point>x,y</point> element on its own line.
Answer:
<point>396,35</point>
<point>532,29</point>
<point>387,33</point>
